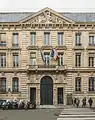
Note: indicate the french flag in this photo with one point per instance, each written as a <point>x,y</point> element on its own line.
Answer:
<point>54,54</point>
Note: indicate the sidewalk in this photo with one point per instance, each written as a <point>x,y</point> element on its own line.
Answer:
<point>73,113</point>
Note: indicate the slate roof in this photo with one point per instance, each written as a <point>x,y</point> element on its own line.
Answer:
<point>17,16</point>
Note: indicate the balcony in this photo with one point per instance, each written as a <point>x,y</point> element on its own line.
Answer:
<point>46,68</point>
<point>46,47</point>
<point>15,47</point>
<point>91,47</point>
<point>78,47</point>
<point>61,47</point>
<point>3,46</point>
<point>32,47</point>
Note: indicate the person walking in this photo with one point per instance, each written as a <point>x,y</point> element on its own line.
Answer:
<point>90,101</point>
<point>74,101</point>
<point>84,102</point>
<point>77,102</point>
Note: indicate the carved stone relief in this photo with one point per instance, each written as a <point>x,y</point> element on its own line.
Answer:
<point>46,17</point>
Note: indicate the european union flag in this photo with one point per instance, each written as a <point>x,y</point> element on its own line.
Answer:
<point>52,53</point>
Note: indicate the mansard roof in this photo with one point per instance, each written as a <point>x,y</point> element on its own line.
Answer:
<point>18,16</point>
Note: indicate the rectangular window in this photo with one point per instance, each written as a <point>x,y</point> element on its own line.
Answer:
<point>2,39</point>
<point>78,60</point>
<point>78,39</point>
<point>91,84</point>
<point>2,84</point>
<point>60,60</point>
<point>91,60</point>
<point>15,40</point>
<point>15,60</point>
<point>78,84</point>
<point>47,58</point>
<point>32,58</point>
<point>91,40</point>
<point>46,38</point>
<point>15,85</point>
<point>33,38</point>
<point>60,38</point>
<point>3,60</point>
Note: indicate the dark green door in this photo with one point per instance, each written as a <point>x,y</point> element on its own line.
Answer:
<point>46,91</point>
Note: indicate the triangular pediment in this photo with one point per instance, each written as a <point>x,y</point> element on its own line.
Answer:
<point>47,16</point>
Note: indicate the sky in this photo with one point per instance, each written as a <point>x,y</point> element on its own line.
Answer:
<point>57,5</point>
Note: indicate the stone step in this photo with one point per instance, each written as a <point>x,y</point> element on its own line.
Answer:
<point>76,118</point>
<point>80,116</point>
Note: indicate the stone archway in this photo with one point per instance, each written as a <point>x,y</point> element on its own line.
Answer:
<point>46,91</point>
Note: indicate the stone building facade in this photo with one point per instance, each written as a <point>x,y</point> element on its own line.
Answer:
<point>27,69</point>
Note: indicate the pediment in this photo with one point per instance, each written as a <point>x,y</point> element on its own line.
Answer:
<point>47,16</point>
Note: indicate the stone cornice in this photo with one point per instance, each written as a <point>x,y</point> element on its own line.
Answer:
<point>82,69</point>
<point>21,26</point>
<point>12,70</point>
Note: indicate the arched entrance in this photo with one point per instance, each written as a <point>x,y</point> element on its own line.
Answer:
<point>46,91</point>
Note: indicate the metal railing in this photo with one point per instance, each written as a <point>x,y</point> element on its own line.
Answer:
<point>46,67</point>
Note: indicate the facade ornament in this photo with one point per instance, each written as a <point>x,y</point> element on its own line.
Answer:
<point>91,73</point>
<point>2,73</point>
<point>78,73</point>
<point>15,73</point>
<point>46,17</point>
<point>78,26</point>
<point>85,26</point>
<point>92,26</point>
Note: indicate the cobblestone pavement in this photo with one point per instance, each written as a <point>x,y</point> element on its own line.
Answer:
<point>38,114</point>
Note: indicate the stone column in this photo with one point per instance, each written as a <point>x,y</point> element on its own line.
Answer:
<point>65,94</point>
<point>55,95</point>
<point>38,95</point>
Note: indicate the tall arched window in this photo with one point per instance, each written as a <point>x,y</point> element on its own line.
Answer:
<point>3,84</point>
<point>15,84</point>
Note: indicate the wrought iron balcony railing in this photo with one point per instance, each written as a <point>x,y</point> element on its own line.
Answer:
<point>46,67</point>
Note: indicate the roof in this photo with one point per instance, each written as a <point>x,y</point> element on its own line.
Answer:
<point>17,16</point>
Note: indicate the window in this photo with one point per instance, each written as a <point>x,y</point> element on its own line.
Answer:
<point>2,39</point>
<point>33,38</point>
<point>60,60</point>
<point>78,60</point>
<point>3,60</point>
<point>91,40</point>
<point>91,84</point>
<point>60,38</point>
<point>78,39</point>
<point>32,58</point>
<point>15,60</point>
<point>15,40</point>
<point>47,58</point>
<point>2,84</point>
<point>91,60</point>
<point>46,38</point>
<point>15,84</point>
<point>78,84</point>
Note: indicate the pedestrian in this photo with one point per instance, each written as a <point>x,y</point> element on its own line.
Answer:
<point>74,101</point>
<point>90,101</point>
<point>77,102</point>
<point>84,102</point>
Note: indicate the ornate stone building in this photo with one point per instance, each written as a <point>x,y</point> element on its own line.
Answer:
<point>27,70</point>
